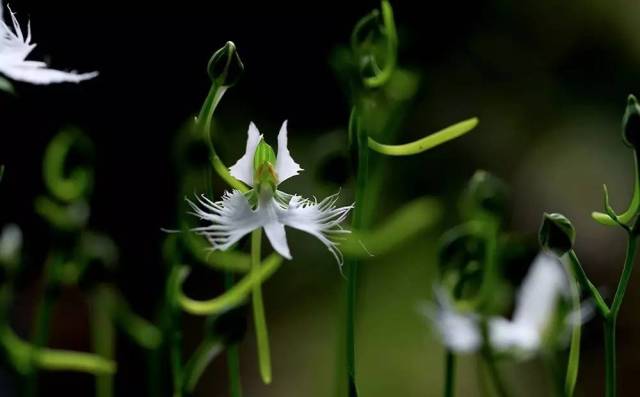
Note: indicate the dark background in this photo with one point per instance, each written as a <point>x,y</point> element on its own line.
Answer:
<point>548,81</point>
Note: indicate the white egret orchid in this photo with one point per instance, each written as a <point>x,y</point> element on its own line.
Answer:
<point>264,206</point>
<point>545,283</point>
<point>14,49</point>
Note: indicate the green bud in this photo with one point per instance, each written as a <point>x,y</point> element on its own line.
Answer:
<point>487,193</point>
<point>631,123</point>
<point>263,162</point>
<point>225,66</point>
<point>556,233</point>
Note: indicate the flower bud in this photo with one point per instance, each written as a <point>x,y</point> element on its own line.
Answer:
<point>487,193</point>
<point>631,123</point>
<point>225,66</point>
<point>556,233</point>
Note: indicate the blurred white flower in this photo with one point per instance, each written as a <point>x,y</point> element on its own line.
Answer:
<point>264,206</point>
<point>10,243</point>
<point>536,302</point>
<point>14,49</point>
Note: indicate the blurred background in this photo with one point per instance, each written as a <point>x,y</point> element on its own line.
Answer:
<point>548,81</point>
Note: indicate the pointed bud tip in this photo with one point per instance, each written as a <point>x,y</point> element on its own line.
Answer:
<point>631,123</point>
<point>225,66</point>
<point>556,234</point>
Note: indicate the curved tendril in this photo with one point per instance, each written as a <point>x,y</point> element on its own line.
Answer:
<point>426,143</point>
<point>382,76</point>
<point>626,217</point>
<point>401,226</point>
<point>24,356</point>
<point>144,333</point>
<point>208,349</point>
<point>230,298</point>
<point>78,181</point>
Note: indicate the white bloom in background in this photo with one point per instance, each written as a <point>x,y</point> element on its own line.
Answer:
<point>536,302</point>
<point>264,206</point>
<point>14,49</point>
<point>10,243</point>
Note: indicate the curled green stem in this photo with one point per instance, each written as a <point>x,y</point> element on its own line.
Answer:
<point>426,143</point>
<point>233,297</point>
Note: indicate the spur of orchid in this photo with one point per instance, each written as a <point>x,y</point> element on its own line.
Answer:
<point>264,206</point>
<point>14,49</point>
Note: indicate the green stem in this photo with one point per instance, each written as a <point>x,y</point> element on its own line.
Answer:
<point>174,330</point>
<point>42,323</point>
<point>610,356</point>
<point>204,122</point>
<point>490,272</point>
<point>103,336</point>
<point>233,356</point>
<point>209,348</point>
<point>489,358</point>
<point>262,335</point>
<point>495,375</point>
<point>626,275</point>
<point>449,374</point>
<point>351,264</point>
<point>586,284</point>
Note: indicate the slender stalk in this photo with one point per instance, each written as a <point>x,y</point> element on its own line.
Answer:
<point>489,359</point>
<point>174,331</point>
<point>494,374</point>
<point>42,323</point>
<point>610,356</point>
<point>626,274</point>
<point>262,335</point>
<point>586,284</point>
<point>449,374</point>
<point>103,336</point>
<point>351,264</point>
<point>233,356</point>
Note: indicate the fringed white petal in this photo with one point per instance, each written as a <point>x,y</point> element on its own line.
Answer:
<point>458,331</point>
<point>36,74</point>
<point>14,49</point>
<point>286,167</point>
<point>538,296</point>
<point>278,238</point>
<point>322,220</point>
<point>243,168</point>
<point>506,335</point>
<point>231,219</point>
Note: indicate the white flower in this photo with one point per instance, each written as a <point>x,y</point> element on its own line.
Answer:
<point>536,302</point>
<point>264,206</point>
<point>14,49</point>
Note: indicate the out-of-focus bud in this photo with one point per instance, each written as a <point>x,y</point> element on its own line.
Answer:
<point>487,193</point>
<point>631,123</point>
<point>10,245</point>
<point>225,66</point>
<point>557,233</point>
